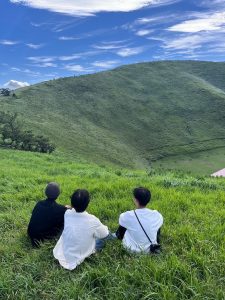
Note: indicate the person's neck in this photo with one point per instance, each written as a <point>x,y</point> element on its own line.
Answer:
<point>141,207</point>
<point>49,199</point>
<point>79,212</point>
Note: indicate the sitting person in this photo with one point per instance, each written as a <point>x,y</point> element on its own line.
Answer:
<point>140,228</point>
<point>47,218</point>
<point>81,232</point>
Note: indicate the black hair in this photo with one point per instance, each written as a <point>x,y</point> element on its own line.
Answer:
<point>142,195</point>
<point>80,200</point>
<point>52,191</point>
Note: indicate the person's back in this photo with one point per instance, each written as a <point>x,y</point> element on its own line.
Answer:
<point>47,218</point>
<point>130,230</point>
<point>81,230</point>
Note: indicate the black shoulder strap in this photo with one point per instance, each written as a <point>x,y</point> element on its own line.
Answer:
<point>142,227</point>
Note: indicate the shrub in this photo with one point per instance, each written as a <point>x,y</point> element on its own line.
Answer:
<point>13,136</point>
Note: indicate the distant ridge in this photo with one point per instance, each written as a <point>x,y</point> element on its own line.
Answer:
<point>131,116</point>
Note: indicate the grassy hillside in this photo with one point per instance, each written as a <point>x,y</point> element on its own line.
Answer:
<point>133,115</point>
<point>190,267</point>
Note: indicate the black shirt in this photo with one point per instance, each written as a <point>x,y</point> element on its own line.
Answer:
<point>47,220</point>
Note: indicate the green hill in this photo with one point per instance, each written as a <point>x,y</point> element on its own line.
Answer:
<point>171,113</point>
<point>191,265</point>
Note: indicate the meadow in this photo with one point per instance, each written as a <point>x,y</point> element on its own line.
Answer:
<point>200,163</point>
<point>191,265</point>
<point>147,112</point>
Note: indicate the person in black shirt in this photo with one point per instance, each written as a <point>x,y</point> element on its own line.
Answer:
<point>47,219</point>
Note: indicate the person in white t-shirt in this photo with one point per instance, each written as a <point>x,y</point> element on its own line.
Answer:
<point>82,234</point>
<point>140,228</point>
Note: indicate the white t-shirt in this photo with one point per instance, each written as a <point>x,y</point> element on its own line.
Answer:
<point>78,238</point>
<point>135,239</point>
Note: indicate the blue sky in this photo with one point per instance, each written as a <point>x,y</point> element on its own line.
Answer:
<point>45,39</point>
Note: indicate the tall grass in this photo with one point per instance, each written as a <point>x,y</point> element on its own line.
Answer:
<point>191,265</point>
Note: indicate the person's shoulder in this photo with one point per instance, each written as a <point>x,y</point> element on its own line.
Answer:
<point>39,203</point>
<point>153,211</point>
<point>69,211</point>
<point>60,206</point>
<point>93,218</point>
<point>126,217</point>
<point>156,214</point>
<point>126,214</point>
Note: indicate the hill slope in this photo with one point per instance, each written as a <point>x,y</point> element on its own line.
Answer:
<point>130,116</point>
<point>191,265</point>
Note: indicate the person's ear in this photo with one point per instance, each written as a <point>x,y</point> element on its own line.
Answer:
<point>135,202</point>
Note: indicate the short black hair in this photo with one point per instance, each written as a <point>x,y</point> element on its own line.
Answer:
<point>142,195</point>
<point>52,191</point>
<point>80,200</point>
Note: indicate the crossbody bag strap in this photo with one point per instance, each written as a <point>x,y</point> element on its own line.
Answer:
<point>142,227</point>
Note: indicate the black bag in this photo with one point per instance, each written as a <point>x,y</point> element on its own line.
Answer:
<point>154,248</point>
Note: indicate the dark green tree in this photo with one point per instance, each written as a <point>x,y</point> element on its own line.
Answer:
<point>5,92</point>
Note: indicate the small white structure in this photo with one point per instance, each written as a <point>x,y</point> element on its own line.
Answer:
<point>220,173</point>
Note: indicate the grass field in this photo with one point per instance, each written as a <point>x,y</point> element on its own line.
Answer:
<point>200,163</point>
<point>191,265</point>
<point>130,116</point>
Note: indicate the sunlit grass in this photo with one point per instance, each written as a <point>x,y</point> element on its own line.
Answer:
<point>168,111</point>
<point>191,265</point>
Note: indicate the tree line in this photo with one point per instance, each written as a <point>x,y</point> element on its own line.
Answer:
<point>13,136</point>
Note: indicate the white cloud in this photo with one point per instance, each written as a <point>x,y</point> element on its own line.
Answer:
<point>185,42</point>
<point>144,32</point>
<point>26,71</point>
<point>15,69</point>
<point>90,7</point>
<point>195,45</point>
<point>204,22</point>
<point>34,46</point>
<point>125,52</point>
<point>148,20</point>
<point>14,84</point>
<point>107,47</point>
<point>41,59</point>
<point>105,64</point>
<point>79,55</point>
<point>145,20</point>
<point>77,68</point>
<point>68,38</point>
<point>46,65</point>
<point>70,57</point>
<point>8,42</point>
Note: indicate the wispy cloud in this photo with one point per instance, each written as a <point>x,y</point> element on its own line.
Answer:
<point>8,42</point>
<point>80,55</point>
<point>69,57</point>
<point>111,45</point>
<point>148,20</point>
<point>77,68</point>
<point>46,65</point>
<point>91,7</point>
<point>184,42</point>
<point>41,59</point>
<point>57,26</point>
<point>26,71</point>
<point>125,52</point>
<point>203,22</point>
<point>144,32</point>
<point>68,38</point>
<point>34,46</point>
<point>105,64</point>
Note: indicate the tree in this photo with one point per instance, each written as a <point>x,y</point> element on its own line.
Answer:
<point>5,92</point>
<point>13,136</point>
